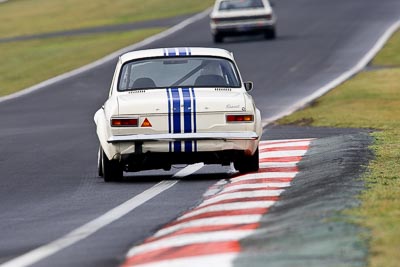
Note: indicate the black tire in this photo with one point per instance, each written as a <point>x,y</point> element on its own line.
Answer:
<point>100,162</point>
<point>248,163</point>
<point>111,169</point>
<point>270,34</point>
<point>218,38</point>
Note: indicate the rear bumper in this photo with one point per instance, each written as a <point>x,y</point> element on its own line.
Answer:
<point>183,148</point>
<point>241,28</point>
<point>224,136</point>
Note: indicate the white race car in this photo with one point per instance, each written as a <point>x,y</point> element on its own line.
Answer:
<point>239,17</point>
<point>177,106</point>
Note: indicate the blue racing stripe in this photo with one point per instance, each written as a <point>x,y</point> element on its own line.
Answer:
<point>188,146</point>
<point>171,52</point>
<point>175,122</point>
<point>187,108</point>
<point>187,116</point>
<point>176,102</point>
<point>182,52</point>
<point>194,117</point>
<point>169,116</point>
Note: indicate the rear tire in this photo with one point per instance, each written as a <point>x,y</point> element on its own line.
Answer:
<point>111,169</point>
<point>270,34</point>
<point>218,38</point>
<point>248,163</point>
<point>100,162</point>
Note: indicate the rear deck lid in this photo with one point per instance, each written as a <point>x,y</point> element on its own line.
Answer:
<point>172,100</point>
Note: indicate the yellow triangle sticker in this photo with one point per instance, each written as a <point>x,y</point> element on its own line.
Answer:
<point>146,123</point>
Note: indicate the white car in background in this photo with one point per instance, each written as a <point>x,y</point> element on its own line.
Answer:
<point>240,17</point>
<point>177,106</point>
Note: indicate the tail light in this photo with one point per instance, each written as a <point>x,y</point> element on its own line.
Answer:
<point>239,118</point>
<point>124,122</point>
<point>268,17</point>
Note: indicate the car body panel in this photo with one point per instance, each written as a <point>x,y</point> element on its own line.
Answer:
<point>177,120</point>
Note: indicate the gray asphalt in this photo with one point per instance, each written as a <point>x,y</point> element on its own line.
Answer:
<point>48,144</point>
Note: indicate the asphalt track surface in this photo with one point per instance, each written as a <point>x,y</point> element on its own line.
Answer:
<point>49,185</point>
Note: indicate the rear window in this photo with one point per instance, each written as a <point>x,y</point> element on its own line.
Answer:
<point>240,4</point>
<point>178,72</point>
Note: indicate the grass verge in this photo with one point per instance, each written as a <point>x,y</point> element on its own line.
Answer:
<point>30,62</point>
<point>371,100</point>
<point>25,63</point>
<point>26,17</point>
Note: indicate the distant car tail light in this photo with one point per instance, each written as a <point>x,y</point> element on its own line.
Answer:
<point>268,17</point>
<point>214,20</point>
<point>124,122</point>
<point>239,118</point>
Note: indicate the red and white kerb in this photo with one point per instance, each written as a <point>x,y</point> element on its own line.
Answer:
<point>209,234</point>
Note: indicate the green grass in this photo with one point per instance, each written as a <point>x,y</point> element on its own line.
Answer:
<point>30,62</point>
<point>390,56</point>
<point>25,63</point>
<point>371,100</point>
<point>27,17</point>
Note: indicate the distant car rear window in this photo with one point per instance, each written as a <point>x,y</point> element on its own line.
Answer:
<point>178,72</point>
<point>240,4</point>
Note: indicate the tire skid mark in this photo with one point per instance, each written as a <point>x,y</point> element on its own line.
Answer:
<point>211,232</point>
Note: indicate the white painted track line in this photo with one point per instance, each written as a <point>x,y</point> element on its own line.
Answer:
<point>108,58</point>
<point>118,212</point>
<point>188,170</point>
<point>340,79</point>
<point>240,202</point>
<point>90,228</point>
